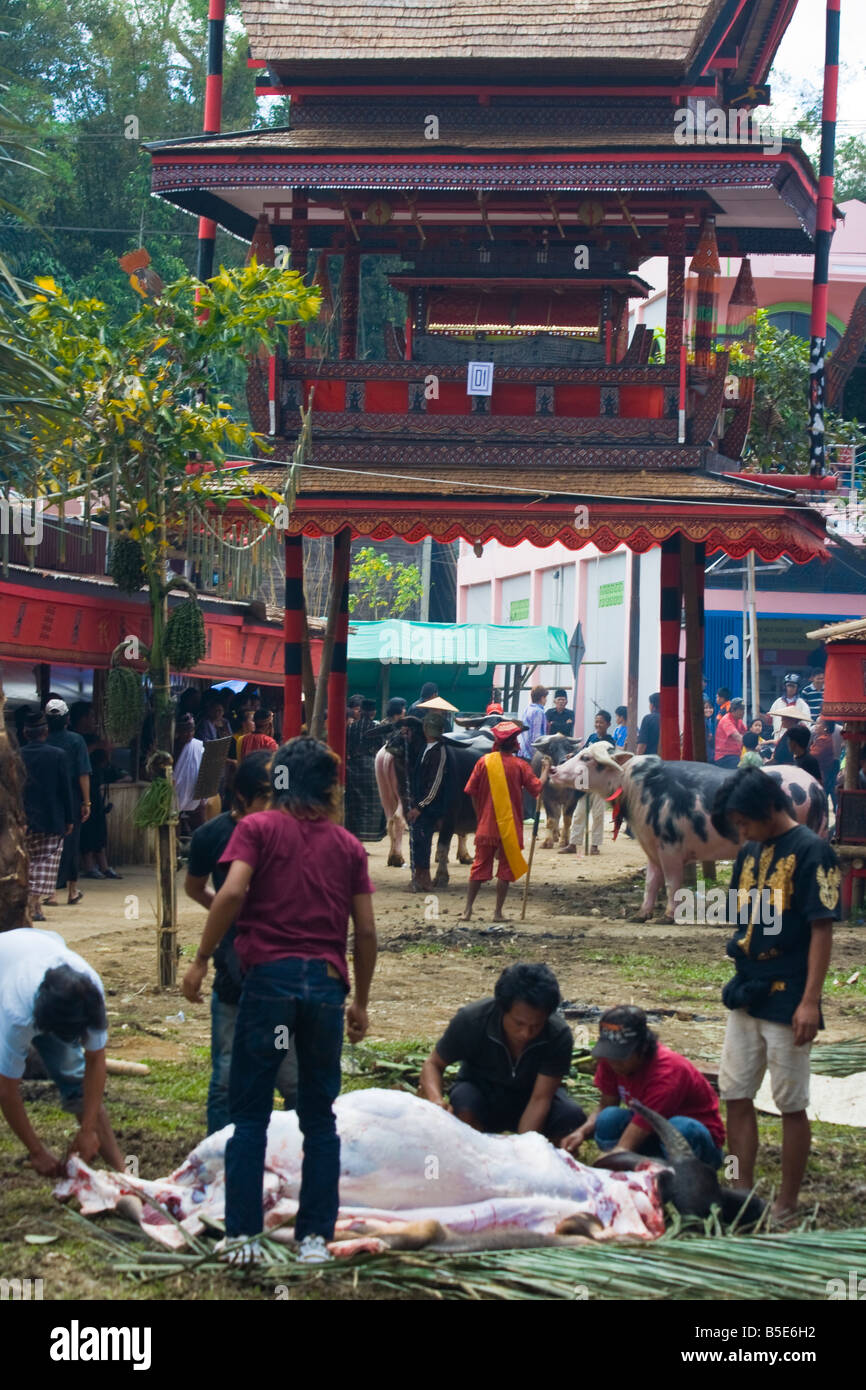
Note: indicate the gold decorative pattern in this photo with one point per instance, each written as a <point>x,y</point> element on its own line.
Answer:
<point>829,881</point>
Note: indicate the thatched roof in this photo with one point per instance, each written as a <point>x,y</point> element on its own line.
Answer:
<point>300,32</point>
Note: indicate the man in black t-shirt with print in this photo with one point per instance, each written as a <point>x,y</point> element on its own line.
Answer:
<point>251,792</point>
<point>788,880</point>
<point>514,1050</point>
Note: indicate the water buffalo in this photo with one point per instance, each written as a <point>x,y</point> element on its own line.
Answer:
<point>667,806</point>
<point>559,799</point>
<point>685,1182</point>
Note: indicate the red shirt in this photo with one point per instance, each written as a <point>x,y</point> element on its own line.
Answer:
<point>518,774</point>
<point>253,743</point>
<point>668,1083</point>
<point>727,744</point>
<point>305,875</point>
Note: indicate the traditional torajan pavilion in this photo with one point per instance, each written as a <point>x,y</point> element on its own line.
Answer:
<point>523,161</point>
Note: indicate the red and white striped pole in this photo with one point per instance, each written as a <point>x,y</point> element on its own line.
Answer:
<point>823,240</point>
<point>213,107</point>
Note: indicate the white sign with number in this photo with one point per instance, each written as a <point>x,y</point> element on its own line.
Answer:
<point>479,379</point>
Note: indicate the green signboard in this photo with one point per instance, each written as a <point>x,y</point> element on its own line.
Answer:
<point>519,610</point>
<point>611,595</point>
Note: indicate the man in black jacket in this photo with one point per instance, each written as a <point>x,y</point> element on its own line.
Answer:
<point>514,1051</point>
<point>47,807</point>
<point>429,788</point>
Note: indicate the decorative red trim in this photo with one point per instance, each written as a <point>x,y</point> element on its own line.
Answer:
<point>676,93</point>
<point>793,482</point>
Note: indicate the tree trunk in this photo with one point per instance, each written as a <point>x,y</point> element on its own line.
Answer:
<point>163,713</point>
<point>14,909</point>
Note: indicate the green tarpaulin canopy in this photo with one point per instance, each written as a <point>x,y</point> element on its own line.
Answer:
<point>398,657</point>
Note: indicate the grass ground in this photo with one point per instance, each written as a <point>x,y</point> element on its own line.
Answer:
<point>578,921</point>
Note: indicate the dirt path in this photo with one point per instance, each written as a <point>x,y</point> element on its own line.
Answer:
<point>430,964</point>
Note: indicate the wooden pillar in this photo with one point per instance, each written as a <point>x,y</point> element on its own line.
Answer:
<point>337,677</point>
<point>676,244</point>
<point>670,615</point>
<point>293,637</point>
<point>350,286</point>
<point>692,559</point>
<point>300,247</point>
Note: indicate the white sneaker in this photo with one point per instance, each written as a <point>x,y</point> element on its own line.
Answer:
<point>313,1250</point>
<point>239,1250</point>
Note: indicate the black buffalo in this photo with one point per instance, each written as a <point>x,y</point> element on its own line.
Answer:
<point>559,801</point>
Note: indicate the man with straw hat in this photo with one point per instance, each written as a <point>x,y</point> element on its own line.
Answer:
<point>496,785</point>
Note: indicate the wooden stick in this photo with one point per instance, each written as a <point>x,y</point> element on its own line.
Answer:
<point>534,838</point>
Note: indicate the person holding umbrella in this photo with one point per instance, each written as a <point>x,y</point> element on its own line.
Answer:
<point>496,785</point>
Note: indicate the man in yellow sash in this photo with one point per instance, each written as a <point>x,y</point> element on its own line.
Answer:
<point>496,786</point>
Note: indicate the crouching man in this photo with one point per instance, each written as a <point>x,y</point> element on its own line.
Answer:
<point>632,1063</point>
<point>514,1052</point>
<point>51,997</point>
<point>788,881</point>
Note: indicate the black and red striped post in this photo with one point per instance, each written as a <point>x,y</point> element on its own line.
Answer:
<point>213,109</point>
<point>293,637</point>
<point>670,627</point>
<point>823,240</point>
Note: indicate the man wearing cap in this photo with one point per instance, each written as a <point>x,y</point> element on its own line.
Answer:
<point>534,720</point>
<point>47,798</point>
<point>560,720</point>
<point>791,703</point>
<point>633,1064</point>
<point>78,763</point>
<point>496,785</point>
<point>729,736</point>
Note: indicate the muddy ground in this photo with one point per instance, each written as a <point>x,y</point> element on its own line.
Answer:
<point>578,921</point>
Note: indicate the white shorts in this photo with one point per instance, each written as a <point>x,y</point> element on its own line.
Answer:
<point>753,1044</point>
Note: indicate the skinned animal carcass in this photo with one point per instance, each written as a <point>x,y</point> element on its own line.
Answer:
<point>403,1161</point>
<point>668,805</point>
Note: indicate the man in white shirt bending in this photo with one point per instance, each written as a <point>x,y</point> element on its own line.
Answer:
<point>52,998</point>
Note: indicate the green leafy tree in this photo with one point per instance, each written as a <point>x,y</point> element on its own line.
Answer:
<point>779,434</point>
<point>138,403</point>
<point>380,587</point>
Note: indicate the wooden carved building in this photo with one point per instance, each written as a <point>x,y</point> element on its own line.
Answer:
<point>520,163</point>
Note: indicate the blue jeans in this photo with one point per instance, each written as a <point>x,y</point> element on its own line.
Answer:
<point>223,1018</point>
<point>301,997</point>
<point>611,1123</point>
<point>64,1063</point>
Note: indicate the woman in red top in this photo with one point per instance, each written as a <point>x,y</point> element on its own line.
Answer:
<point>729,736</point>
<point>633,1063</point>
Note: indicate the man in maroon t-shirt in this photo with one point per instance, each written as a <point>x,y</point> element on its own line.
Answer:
<point>633,1063</point>
<point>294,880</point>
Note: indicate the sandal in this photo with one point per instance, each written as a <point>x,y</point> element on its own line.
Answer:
<point>39,917</point>
<point>73,902</point>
